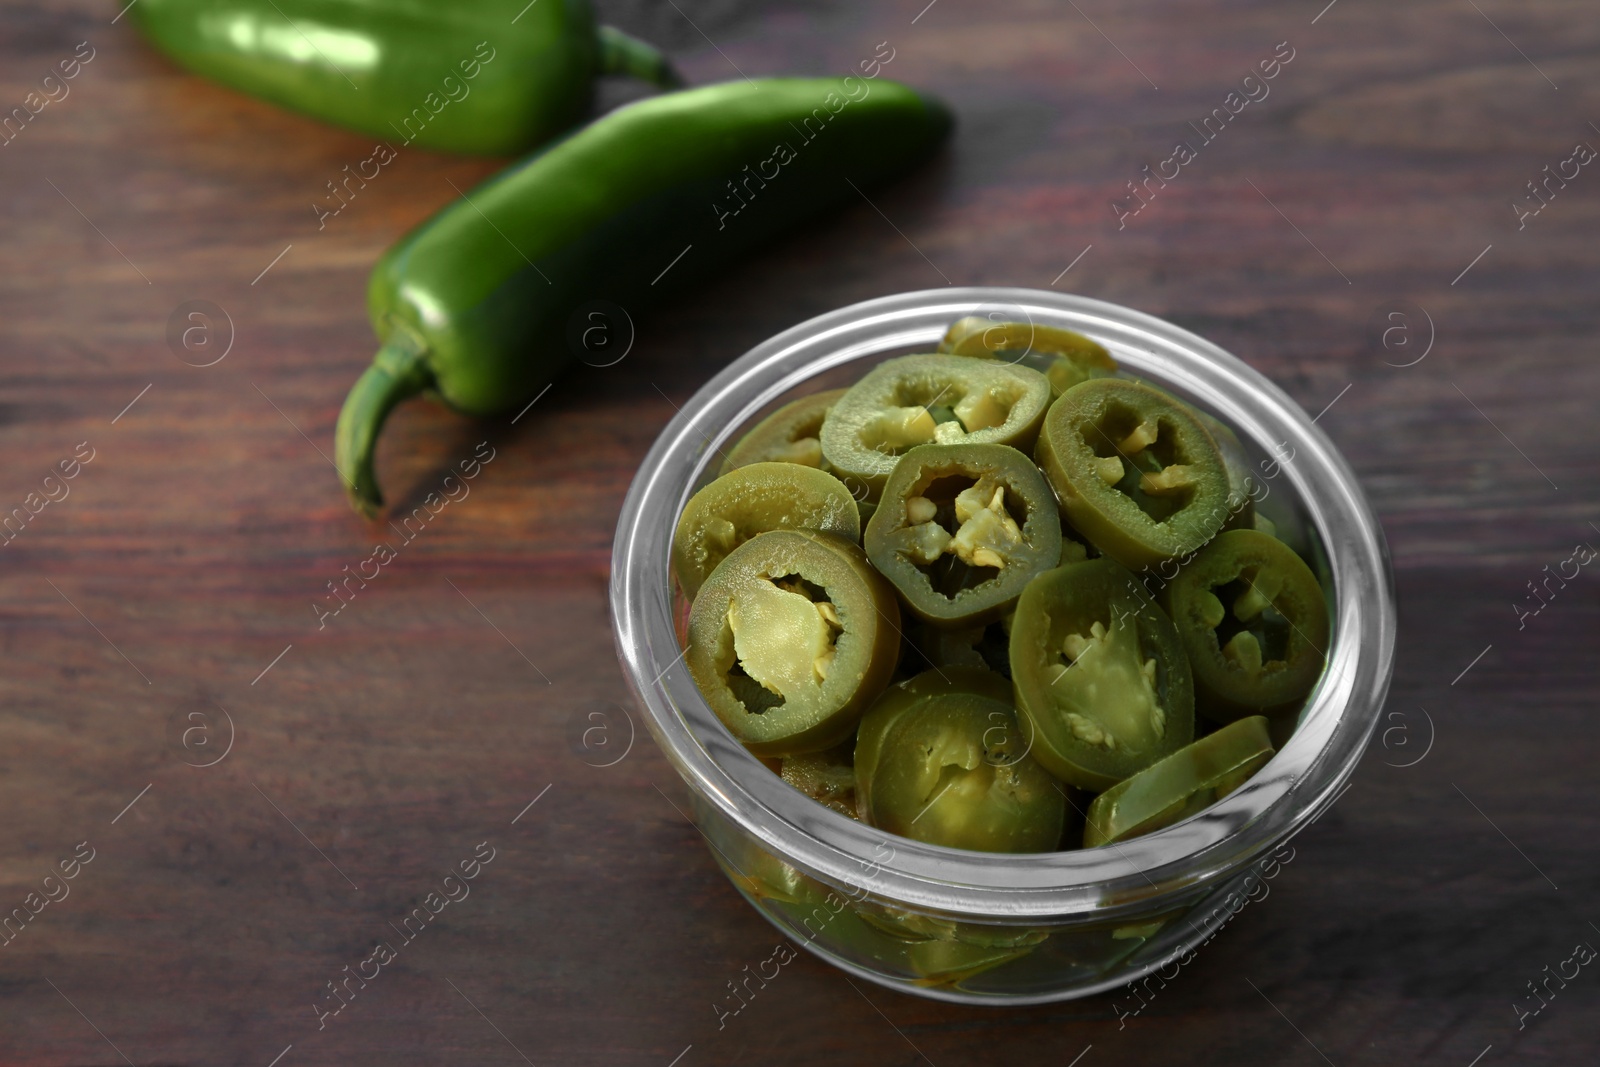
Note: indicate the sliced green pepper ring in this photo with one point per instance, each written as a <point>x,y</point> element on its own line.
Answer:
<point>951,769</point>
<point>1065,357</point>
<point>1241,513</point>
<point>960,529</point>
<point>1137,473</point>
<point>788,435</point>
<point>1254,622</point>
<point>916,400</point>
<point>898,698</point>
<point>1102,686</point>
<point>752,500</point>
<point>791,638</point>
<point>1184,784</point>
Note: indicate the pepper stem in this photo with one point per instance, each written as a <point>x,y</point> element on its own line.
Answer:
<point>397,373</point>
<point>621,54</point>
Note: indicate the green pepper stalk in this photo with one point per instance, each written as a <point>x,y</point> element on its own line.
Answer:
<point>492,77</point>
<point>397,372</point>
<point>621,54</point>
<point>478,303</point>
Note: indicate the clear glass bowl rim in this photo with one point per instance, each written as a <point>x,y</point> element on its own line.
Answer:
<point>1302,779</point>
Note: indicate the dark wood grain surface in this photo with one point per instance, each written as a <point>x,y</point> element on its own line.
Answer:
<point>171,588</point>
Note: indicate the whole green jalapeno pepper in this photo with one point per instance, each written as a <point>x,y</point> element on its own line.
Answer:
<point>478,304</point>
<point>493,77</point>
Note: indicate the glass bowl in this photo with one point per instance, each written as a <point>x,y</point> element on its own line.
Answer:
<point>987,927</point>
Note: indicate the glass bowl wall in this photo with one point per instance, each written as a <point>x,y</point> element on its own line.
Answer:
<point>986,927</point>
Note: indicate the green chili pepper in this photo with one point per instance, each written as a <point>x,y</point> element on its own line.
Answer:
<point>901,697</point>
<point>791,638</point>
<point>1180,785</point>
<point>1135,470</point>
<point>956,774</point>
<point>788,435</point>
<point>493,77</point>
<point>927,399</point>
<point>940,759</point>
<point>1242,484</point>
<point>960,530</point>
<point>1102,686</point>
<point>479,303</point>
<point>1254,624</point>
<point>751,500</point>
<point>1065,357</point>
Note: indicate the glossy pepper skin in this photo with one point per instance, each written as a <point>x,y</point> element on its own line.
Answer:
<point>491,77</point>
<point>477,304</point>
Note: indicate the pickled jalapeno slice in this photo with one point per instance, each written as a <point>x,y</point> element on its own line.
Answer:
<point>927,399</point>
<point>1242,485</point>
<point>788,435</point>
<point>752,500</point>
<point>1102,686</point>
<point>898,698</point>
<point>791,638</point>
<point>1136,472</point>
<point>960,529</point>
<point>1254,623</point>
<point>951,769</point>
<point>1183,784</point>
<point>1065,357</point>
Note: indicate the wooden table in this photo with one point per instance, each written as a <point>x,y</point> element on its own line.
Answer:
<point>169,593</point>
